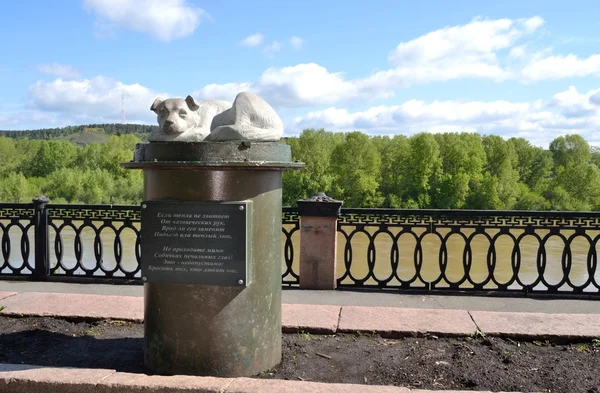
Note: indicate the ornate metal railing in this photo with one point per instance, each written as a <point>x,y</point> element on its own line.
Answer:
<point>92,242</point>
<point>111,234</point>
<point>551,252</point>
<point>97,242</point>
<point>290,230</point>
<point>17,223</point>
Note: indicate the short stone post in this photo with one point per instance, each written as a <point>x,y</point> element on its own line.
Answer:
<point>318,241</point>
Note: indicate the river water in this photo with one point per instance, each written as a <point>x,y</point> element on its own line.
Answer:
<point>429,258</point>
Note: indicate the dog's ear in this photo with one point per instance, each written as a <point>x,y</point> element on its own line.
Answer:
<point>192,103</point>
<point>155,104</point>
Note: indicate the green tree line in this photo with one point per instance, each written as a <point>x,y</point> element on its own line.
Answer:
<point>439,171</point>
<point>445,171</point>
<point>52,133</point>
<point>68,173</point>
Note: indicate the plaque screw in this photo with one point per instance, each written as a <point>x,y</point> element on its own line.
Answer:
<point>144,206</point>
<point>241,207</point>
<point>144,278</point>
<point>241,282</point>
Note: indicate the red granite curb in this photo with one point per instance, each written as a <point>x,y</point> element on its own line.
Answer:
<point>538,325</point>
<point>70,305</point>
<point>394,321</point>
<point>36,379</point>
<point>327,319</point>
<point>4,295</point>
<point>306,317</point>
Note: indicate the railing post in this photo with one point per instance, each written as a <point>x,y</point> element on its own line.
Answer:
<point>42,247</point>
<point>318,241</point>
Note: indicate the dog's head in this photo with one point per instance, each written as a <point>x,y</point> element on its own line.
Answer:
<point>175,115</point>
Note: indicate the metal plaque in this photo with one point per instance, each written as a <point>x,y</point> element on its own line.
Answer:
<point>195,242</point>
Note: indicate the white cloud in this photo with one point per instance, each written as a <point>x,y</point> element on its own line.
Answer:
<point>96,98</point>
<point>59,70</point>
<point>457,52</point>
<point>226,91</point>
<point>296,42</point>
<point>275,46</point>
<point>538,121</point>
<point>28,120</point>
<point>303,85</point>
<point>558,67</point>
<point>165,20</point>
<point>252,40</point>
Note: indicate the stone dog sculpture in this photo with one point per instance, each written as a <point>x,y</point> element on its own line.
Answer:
<point>184,120</point>
<point>249,118</point>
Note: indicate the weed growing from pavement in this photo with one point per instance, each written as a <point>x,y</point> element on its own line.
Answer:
<point>541,343</point>
<point>305,336</point>
<point>93,331</point>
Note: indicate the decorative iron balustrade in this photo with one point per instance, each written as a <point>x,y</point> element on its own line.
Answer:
<point>551,252</point>
<point>16,223</point>
<point>98,242</point>
<point>290,226</point>
<point>111,234</point>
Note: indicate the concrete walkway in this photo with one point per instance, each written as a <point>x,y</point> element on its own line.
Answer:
<point>318,318</point>
<point>351,298</point>
<point>390,315</point>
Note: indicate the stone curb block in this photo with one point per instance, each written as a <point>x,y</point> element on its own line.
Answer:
<point>135,383</point>
<point>312,318</point>
<point>328,319</point>
<point>250,385</point>
<point>36,379</point>
<point>392,321</point>
<point>538,325</point>
<point>85,306</point>
<point>4,295</point>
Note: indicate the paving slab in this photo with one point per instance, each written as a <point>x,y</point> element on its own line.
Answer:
<point>4,295</point>
<point>538,325</point>
<point>449,391</point>
<point>37,379</point>
<point>317,319</point>
<point>126,308</point>
<point>250,385</point>
<point>392,321</point>
<point>135,383</point>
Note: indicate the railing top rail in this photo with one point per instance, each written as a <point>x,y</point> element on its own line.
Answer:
<point>347,211</point>
<point>471,213</point>
<point>92,207</point>
<point>16,205</point>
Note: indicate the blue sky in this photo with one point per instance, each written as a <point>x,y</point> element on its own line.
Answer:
<point>512,68</point>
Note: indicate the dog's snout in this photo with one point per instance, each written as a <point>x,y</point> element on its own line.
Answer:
<point>168,122</point>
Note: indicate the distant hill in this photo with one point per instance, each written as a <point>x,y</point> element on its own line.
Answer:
<point>85,137</point>
<point>84,134</point>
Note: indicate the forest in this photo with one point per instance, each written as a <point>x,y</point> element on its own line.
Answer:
<point>427,171</point>
<point>52,133</point>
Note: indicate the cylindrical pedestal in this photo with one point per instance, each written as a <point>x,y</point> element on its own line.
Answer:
<point>218,330</point>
